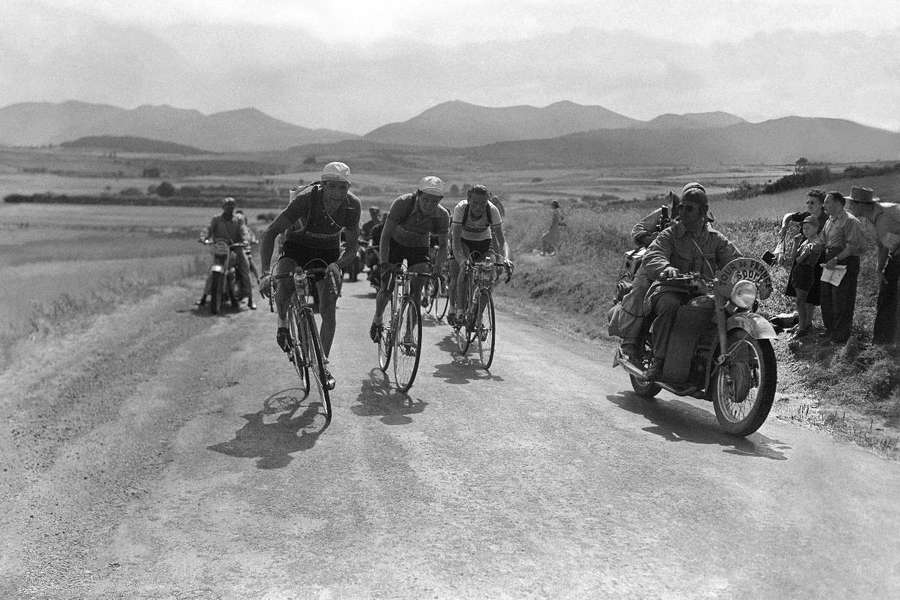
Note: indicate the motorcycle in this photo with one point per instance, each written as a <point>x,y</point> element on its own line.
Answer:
<point>720,350</point>
<point>356,267</point>
<point>223,279</point>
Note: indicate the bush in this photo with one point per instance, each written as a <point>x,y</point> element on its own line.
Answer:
<point>165,190</point>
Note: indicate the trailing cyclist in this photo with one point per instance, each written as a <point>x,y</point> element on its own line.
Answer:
<point>312,224</point>
<point>477,226</point>
<point>411,221</point>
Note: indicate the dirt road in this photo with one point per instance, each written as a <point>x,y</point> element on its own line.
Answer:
<point>150,457</point>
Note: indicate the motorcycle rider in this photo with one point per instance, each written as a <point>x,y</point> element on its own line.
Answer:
<point>231,228</point>
<point>411,221</point>
<point>374,219</point>
<point>321,212</point>
<point>476,226</point>
<point>690,245</point>
<point>252,240</point>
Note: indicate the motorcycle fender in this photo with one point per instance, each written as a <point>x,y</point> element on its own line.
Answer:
<point>217,269</point>
<point>753,324</point>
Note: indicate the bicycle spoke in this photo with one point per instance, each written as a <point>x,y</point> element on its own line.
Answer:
<point>407,344</point>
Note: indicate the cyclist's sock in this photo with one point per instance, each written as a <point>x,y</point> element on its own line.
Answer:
<point>282,323</point>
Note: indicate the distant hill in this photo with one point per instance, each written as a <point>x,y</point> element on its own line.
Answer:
<point>694,120</point>
<point>460,124</point>
<point>42,123</point>
<point>131,144</point>
<point>779,141</point>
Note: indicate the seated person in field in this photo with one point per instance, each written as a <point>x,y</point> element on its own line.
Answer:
<point>476,227</point>
<point>412,219</point>
<point>688,246</point>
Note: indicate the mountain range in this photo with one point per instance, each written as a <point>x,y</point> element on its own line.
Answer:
<point>563,133</point>
<point>247,129</point>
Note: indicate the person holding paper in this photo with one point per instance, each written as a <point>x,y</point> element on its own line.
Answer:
<point>885,216</point>
<point>844,244</point>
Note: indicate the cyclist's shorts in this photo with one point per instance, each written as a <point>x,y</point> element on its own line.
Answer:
<point>480,248</point>
<point>303,254</point>
<point>414,255</point>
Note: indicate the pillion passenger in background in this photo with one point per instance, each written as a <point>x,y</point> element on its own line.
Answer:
<point>646,230</point>
<point>844,244</point>
<point>885,216</point>
<point>232,229</point>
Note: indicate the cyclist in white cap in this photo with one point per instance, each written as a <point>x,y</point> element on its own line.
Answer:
<point>321,211</point>
<point>412,220</point>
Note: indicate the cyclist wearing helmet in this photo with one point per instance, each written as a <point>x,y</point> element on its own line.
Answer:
<point>411,221</point>
<point>477,227</point>
<point>321,212</point>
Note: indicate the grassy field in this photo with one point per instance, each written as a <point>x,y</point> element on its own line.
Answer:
<point>60,269</point>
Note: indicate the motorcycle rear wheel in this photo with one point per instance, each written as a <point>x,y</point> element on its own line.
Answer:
<point>752,367</point>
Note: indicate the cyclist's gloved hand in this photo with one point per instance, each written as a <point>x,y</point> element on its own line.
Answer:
<point>265,286</point>
<point>669,273</point>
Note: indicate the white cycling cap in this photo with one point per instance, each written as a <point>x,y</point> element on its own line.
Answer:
<point>431,185</point>
<point>336,171</point>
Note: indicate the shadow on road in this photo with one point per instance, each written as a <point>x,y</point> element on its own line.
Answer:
<point>297,427</point>
<point>678,421</point>
<point>377,398</point>
<point>461,369</point>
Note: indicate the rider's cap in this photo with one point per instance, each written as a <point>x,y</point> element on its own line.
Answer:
<point>228,200</point>
<point>555,204</point>
<point>336,171</point>
<point>480,189</point>
<point>431,185</point>
<point>694,192</point>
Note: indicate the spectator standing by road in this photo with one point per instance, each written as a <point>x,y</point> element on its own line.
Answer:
<point>885,216</point>
<point>551,239</point>
<point>804,280</point>
<point>844,244</point>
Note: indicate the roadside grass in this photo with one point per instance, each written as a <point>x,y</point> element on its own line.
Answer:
<point>851,390</point>
<point>57,280</point>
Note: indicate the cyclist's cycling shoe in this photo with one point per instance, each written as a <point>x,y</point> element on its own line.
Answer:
<point>451,319</point>
<point>329,379</point>
<point>283,337</point>
<point>375,332</point>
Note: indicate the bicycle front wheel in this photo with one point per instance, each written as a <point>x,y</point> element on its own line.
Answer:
<point>298,355</point>
<point>407,344</point>
<point>316,359</point>
<point>441,300</point>
<point>485,330</point>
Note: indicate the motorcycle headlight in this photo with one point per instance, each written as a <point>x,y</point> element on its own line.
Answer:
<point>743,294</point>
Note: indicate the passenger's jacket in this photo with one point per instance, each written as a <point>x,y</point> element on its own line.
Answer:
<point>677,247</point>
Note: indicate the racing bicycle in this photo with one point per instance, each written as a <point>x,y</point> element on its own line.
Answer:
<point>306,348</point>
<point>476,323</point>
<point>401,332</point>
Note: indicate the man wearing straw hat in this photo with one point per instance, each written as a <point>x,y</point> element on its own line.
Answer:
<point>885,216</point>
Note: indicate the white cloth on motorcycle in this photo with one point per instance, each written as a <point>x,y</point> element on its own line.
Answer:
<point>692,320</point>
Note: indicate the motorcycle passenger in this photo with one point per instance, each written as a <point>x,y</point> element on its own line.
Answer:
<point>411,221</point>
<point>252,240</point>
<point>230,228</point>
<point>646,230</point>
<point>476,226</point>
<point>321,212</point>
<point>688,246</point>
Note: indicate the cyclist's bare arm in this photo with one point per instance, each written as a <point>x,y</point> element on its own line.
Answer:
<point>350,249</point>
<point>384,247</point>
<point>502,249</point>
<point>459,252</point>
<point>267,243</point>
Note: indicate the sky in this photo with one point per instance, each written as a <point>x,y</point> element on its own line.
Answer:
<point>356,65</point>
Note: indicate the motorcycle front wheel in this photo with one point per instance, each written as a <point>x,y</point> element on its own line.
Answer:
<point>743,388</point>
<point>216,290</point>
<point>643,388</point>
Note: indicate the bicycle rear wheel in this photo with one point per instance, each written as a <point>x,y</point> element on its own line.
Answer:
<point>316,359</point>
<point>298,354</point>
<point>486,330</point>
<point>407,344</point>
<point>386,340</point>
